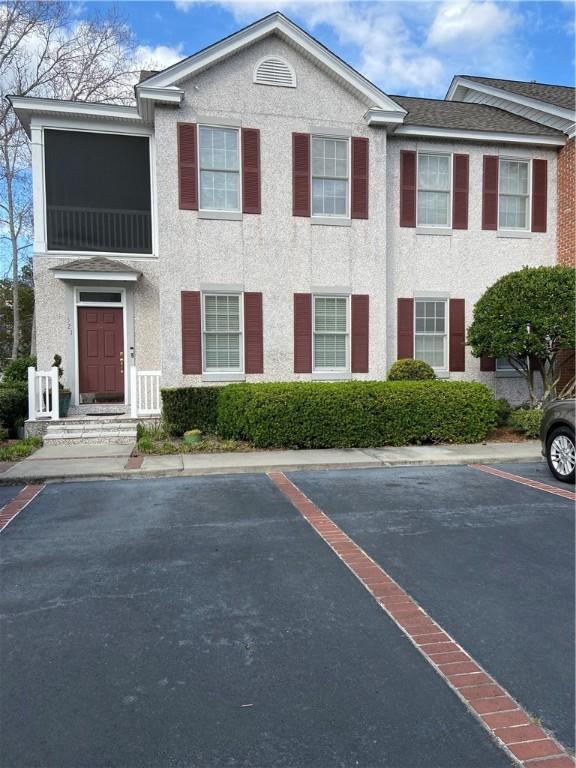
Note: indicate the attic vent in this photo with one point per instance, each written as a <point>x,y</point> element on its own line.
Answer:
<point>275,71</point>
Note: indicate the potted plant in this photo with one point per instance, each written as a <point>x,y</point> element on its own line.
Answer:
<point>64,394</point>
<point>192,436</point>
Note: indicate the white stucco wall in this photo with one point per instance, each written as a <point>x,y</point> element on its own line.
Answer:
<point>464,264</point>
<point>274,252</point>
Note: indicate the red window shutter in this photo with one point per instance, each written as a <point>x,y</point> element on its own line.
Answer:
<point>187,167</point>
<point>487,363</point>
<point>407,188</point>
<point>457,335</point>
<point>302,333</point>
<point>251,170</point>
<point>359,207</point>
<point>301,174</point>
<point>253,333</point>
<point>539,195</point>
<point>360,333</point>
<point>191,332</point>
<point>405,329</point>
<point>490,193</point>
<point>460,192</point>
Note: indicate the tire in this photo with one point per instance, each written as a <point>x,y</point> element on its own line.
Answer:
<point>561,454</point>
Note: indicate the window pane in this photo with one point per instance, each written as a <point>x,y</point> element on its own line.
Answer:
<point>219,191</point>
<point>329,197</point>
<point>513,211</point>
<point>329,351</point>
<point>434,172</point>
<point>503,364</point>
<point>219,149</point>
<point>513,177</point>
<point>433,208</point>
<point>430,348</point>
<point>330,158</point>
<point>222,313</point>
<point>222,351</point>
<point>99,296</point>
<point>330,314</point>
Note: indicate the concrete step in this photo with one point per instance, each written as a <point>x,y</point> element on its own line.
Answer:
<point>120,439</point>
<point>90,426</point>
<point>96,430</point>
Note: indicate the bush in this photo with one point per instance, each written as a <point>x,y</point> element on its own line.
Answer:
<point>527,421</point>
<point>13,406</point>
<point>503,411</point>
<point>410,370</point>
<point>190,408</point>
<point>16,371</point>
<point>355,414</point>
<point>21,449</point>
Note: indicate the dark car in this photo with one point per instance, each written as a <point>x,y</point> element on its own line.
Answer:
<point>557,435</point>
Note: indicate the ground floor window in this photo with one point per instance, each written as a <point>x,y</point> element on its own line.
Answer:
<point>330,333</point>
<point>222,332</point>
<point>430,342</point>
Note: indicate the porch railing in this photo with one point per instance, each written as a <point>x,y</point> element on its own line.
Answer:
<point>98,229</point>
<point>43,394</point>
<point>145,398</point>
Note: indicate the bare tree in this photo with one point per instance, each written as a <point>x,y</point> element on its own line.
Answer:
<point>46,51</point>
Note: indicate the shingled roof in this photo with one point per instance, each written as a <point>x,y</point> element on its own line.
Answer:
<point>95,264</point>
<point>462,115</point>
<point>558,95</point>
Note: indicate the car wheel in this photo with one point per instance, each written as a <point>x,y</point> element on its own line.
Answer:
<point>561,454</point>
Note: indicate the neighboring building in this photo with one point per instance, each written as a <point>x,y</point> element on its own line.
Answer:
<point>266,213</point>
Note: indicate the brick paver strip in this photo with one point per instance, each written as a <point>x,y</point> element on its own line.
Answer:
<point>529,745</point>
<point>9,511</point>
<point>564,493</point>
<point>134,462</point>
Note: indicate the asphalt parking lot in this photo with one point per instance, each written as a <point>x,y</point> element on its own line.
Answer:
<point>202,622</point>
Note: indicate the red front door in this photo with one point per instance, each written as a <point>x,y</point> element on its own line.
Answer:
<point>101,354</point>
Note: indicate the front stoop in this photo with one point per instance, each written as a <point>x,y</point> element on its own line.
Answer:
<point>95,430</point>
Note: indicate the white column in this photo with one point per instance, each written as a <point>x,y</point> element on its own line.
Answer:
<point>55,399</point>
<point>133,392</point>
<point>32,394</point>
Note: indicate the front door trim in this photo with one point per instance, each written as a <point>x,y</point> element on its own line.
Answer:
<point>117,304</point>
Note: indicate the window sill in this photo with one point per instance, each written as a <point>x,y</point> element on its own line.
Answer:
<point>331,375</point>
<point>221,215</point>
<point>447,232</point>
<point>223,376</point>
<point>516,234</point>
<point>329,222</point>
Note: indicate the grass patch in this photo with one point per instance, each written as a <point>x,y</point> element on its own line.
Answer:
<point>154,440</point>
<point>13,450</point>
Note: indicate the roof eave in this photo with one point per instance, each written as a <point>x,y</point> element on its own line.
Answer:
<point>481,136</point>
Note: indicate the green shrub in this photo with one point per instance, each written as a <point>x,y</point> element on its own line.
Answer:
<point>527,421</point>
<point>503,411</point>
<point>190,408</point>
<point>13,406</point>
<point>355,414</point>
<point>407,369</point>
<point>16,371</point>
<point>21,449</point>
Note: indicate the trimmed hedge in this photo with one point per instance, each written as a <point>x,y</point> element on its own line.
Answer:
<point>355,414</point>
<point>407,369</point>
<point>13,406</point>
<point>186,408</point>
<point>527,421</point>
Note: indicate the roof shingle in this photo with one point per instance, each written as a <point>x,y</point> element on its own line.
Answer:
<point>559,95</point>
<point>95,264</point>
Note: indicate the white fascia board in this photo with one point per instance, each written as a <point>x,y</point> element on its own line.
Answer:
<point>27,106</point>
<point>170,95</point>
<point>485,136</point>
<point>525,101</point>
<point>122,277</point>
<point>383,117</point>
<point>279,24</point>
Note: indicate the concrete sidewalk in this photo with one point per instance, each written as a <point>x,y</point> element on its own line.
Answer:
<point>97,462</point>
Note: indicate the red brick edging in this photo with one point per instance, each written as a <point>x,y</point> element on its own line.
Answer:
<point>9,511</point>
<point>528,744</point>
<point>134,462</point>
<point>564,493</point>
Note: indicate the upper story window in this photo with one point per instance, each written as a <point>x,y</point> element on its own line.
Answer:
<point>331,333</point>
<point>222,333</point>
<point>330,177</point>
<point>433,190</point>
<point>219,169</point>
<point>514,194</point>
<point>97,192</point>
<point>430,332</point>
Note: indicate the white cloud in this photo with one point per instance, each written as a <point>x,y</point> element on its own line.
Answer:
<point>158,57</point>
<point>470,24</point>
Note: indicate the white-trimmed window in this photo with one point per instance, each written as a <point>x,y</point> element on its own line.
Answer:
<point>505,369</point>
<point>431,332</point>
<point>434,189</point>
<point>219,168</point>
<point>514,194</point>
<point>331,333</point>
<point>222,324</point>
<point>330,176</point>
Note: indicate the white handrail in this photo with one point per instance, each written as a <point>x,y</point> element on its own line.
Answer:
<point>145,399</point>
<point>43,394</point>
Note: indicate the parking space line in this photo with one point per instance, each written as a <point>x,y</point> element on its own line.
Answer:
<point>528,744</point>
<point>13,508</point>
<point>565,494</point>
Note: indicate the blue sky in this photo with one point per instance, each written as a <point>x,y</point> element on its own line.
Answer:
<point>405,47</point>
